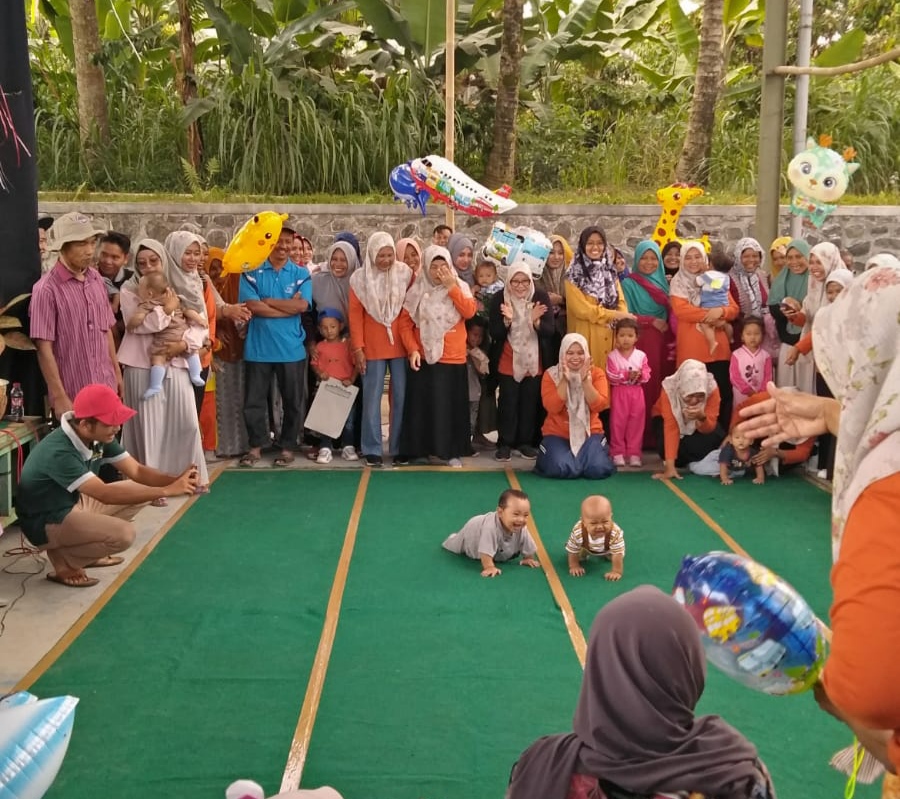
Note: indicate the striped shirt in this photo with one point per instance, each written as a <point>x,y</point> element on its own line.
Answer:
<point>75,315</point>
<point>611,544</point>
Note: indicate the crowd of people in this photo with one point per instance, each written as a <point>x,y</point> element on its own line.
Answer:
<point>581,368</point>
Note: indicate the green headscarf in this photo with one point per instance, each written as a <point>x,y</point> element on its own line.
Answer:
<point>638,299</point>
<point>787,284</point>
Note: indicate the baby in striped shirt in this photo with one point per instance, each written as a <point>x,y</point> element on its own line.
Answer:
<point>596,534</point>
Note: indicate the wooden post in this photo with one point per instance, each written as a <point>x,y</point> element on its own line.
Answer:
<point>450,96</point>
<point>801,92</point>
<point>768,190</point>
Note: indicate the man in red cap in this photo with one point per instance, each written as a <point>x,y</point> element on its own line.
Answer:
<point>66,510</point>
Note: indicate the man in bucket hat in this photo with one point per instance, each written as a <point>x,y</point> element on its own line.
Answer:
<point>71,321</point>
<point>66,510</point>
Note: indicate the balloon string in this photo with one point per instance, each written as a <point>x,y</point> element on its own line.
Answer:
<point>858,755</point>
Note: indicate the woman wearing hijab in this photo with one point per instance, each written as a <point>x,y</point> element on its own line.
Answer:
<point>377,293</point>
<point>409,251</point>
<point>748,284</point>
<point>553,281</point>
<point>331,283</point>
<point>166,433</point>
<point>824,259</point>
<point>685,418</point>
<point>594,298</point>
<point>522,330</point>
<point>433,329</point>
<point>778,256</point>
<point>635,734</point>
<point>462,252</point>
<point>573,393</point>
<point>881,259</point>
<point>857,344</point>
<point>671,255</point>
<point>785,300</point>
<point>690,342</point>
<point>647,296</point>
<point>231,431</point>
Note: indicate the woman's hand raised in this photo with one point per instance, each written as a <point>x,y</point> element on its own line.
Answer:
<point>789,414</point>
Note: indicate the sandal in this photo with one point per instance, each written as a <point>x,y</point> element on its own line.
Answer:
<point>73,580</point>
<point>109,560</point>
<point>285,459</point>
<point>249,460</point>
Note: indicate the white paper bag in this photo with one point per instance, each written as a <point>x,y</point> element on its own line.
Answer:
<point>330,409</point>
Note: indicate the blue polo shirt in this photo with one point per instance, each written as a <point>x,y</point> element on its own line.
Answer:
<point>275,340</point>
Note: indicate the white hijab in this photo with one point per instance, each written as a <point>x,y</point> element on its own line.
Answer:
<point>684,284</point>
<point>690,378</point>
<point>430,305</point>
<point>381,292</point>
<point>857,344</point>
<point>523,338</point>
<point>830,257</point>
<point>576,405</point>
<point>187,285</point>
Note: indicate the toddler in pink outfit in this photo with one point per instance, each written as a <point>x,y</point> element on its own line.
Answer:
<point>627,369</point>
<point>751,364</point>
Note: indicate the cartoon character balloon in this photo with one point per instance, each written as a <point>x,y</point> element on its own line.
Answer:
<point>34,737</point>
<point>253,243</point>
<point>754,626</point>
<point>820,177</point>
<point>247,789</point>
<point>441,180</point>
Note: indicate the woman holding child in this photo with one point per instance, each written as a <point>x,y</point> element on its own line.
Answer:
<point>647,296</point>
<point>690,342</point>
<point>433,331</point>
<point>165,434</point>
<point>574,392</point>
<point>522,330</point>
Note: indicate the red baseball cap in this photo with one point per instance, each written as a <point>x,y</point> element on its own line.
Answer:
<point>101,403</point>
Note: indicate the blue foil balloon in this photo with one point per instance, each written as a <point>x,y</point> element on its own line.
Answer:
<point>754,626</point>
<point>405,189</point>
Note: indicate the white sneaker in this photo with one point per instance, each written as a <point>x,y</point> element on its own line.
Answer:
<point>455,463</point>
<point>324,455</point>
<point>349,454</point>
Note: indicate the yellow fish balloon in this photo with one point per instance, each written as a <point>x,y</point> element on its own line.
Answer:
<point>253,243</point>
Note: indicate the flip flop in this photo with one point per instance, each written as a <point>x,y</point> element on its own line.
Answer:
<point>68,581</point>
<point>109,560</point>
<point>283,460</point>
<point>249,461</point>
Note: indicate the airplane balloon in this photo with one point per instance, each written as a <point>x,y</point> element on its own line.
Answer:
<point>253,243</point>
<point>444,182</point>
<point>34,736</point>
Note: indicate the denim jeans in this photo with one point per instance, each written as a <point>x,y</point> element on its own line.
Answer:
<point>372,389</point>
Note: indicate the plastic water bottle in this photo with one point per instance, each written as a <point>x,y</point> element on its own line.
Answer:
<point>16,403</point>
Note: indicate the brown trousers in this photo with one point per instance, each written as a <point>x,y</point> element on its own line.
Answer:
<point>92,530</point>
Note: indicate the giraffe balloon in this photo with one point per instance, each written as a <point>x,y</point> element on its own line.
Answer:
<point>673,198</point>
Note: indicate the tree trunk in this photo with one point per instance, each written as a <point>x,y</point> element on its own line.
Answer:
<point>502,161</point>
<point>693,165</point>
<point>93,116</point>
<point>188,82</point>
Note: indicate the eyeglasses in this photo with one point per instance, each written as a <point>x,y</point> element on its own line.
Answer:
<point>521,282</point>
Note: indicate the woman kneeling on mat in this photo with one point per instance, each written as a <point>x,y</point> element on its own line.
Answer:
<point>634,732</point>
<point>574,392</point>
<point>684,418</point>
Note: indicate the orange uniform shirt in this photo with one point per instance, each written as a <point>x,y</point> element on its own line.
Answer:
<point>557,421</point>
<point>671,433</point>
<point>371,336</point>
<point>861,671</point>
<point>804,346</point>
<point>454,338</point>
<point>690,342</point>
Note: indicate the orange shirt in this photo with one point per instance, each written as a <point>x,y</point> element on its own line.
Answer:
<point>861,671</point>
<point>454,338</point>
<point>804,346</point>
<point>671,433</point>
<point>690,342</point>
<point>370,336</point>
<point>210,302</point>
<point>557,421</point>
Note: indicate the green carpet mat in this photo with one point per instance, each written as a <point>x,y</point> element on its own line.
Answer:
<point>195,672</point>
<point>794,737</point>
<point>439,678</point>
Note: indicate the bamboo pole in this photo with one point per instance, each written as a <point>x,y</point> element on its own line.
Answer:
<point>801,92</point>
<point>450,96</point>
<point>859,66</point>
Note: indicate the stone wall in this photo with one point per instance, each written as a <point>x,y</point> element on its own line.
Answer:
<point>864,230</point>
